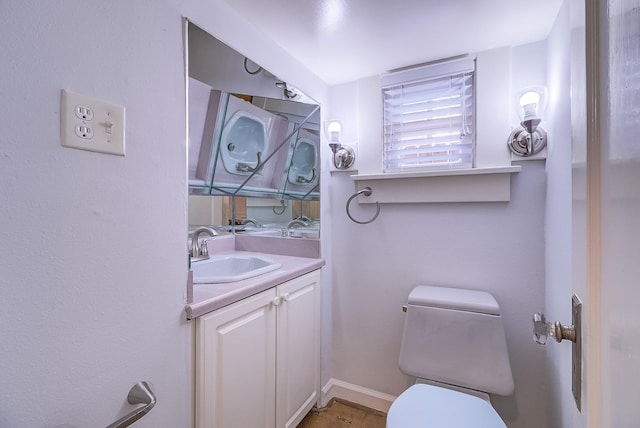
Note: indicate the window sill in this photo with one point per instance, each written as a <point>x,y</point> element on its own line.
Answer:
<point>461,185</point>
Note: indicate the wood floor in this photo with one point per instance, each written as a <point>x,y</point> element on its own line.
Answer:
<point>339,414</point>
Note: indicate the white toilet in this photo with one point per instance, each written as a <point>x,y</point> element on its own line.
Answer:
<point>454,344</point>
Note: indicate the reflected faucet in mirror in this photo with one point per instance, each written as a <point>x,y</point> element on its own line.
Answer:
<point>247,221</point>
<point>297,222</point>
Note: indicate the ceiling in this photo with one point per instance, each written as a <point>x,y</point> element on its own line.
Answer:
<point>344,40</point>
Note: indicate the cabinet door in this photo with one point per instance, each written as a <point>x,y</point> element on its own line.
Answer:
<point>298,350</point>
<point>235,365</point>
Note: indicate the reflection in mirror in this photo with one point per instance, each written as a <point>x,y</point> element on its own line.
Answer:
<point>265,212</point>
<point>253,145</point>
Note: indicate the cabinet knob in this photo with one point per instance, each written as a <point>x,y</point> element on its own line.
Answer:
<point>276,301</point>
<point>286,297</point>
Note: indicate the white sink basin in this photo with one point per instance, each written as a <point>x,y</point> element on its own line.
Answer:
<point>231,268</point>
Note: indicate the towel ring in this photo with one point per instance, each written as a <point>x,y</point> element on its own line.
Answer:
<point>366,192</point>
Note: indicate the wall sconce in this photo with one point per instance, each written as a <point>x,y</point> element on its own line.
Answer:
<point>343,156</point>
<point>529,138</point>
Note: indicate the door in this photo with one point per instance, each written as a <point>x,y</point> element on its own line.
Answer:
<point>298,349</point>
<point>607,249</point>
<point>235,364</point>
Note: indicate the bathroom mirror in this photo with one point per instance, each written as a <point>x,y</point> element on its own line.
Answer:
<point>254,141</point>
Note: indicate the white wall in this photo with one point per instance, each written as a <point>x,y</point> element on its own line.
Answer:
<point>558,250</point>
<point>93,247</point>
<point>497,247</point>
<point>89,304</point>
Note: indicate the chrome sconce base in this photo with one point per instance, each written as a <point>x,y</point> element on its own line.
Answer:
<point>343,156</point>
<point>522,143</point>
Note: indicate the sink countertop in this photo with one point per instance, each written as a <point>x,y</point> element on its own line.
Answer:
<point>209,297</point>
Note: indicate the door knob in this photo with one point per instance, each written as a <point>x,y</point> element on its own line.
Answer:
<point>561,332</point>
<point>543,329</point>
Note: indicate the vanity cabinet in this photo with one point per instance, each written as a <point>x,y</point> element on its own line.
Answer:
<point>258,360</point>
<point>297,349</point>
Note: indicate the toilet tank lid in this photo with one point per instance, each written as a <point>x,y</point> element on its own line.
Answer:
<point>454,298</point>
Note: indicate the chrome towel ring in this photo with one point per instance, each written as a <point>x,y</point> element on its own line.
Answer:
<point>366,192</point>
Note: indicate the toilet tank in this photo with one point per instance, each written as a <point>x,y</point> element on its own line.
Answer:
<point>456,336</point>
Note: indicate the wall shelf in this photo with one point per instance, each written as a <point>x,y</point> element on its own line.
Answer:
<point>491,184</point>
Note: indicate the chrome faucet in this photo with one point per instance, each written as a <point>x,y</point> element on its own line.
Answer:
<point>196,251</point>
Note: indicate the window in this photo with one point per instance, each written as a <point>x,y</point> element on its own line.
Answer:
<point>429,117</point>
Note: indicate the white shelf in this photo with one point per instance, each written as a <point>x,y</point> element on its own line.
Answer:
<point>491,184</point>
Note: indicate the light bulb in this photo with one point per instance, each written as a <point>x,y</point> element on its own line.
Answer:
<point>529,103</point>
<point>530,97</point>
<point>334,128</point>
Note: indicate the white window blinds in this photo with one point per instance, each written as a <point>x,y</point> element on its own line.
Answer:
<point>428,117</point>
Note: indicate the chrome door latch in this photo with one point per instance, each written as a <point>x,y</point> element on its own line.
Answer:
<point>542,330</point>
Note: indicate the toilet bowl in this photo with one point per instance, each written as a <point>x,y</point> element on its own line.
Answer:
<point>454,340</point>
<point>428,406</point>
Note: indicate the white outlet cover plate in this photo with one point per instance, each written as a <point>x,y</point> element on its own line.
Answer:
<point>105,123</point>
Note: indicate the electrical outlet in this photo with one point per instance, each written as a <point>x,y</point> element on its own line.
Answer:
<point>87,123</point>
<point>84,131</point>
<point>83,112</point>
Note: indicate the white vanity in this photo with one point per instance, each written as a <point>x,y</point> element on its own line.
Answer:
<point>258,346</point>
<point>257,360</point>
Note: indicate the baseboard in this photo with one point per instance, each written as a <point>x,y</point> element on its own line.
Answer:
<point>356,394</point>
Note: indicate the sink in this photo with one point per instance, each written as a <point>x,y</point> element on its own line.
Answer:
<point>303,162</point>
<point>243,143</point>
<point>231,268</point>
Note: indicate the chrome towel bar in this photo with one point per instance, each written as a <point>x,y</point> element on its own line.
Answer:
<point>140,393</point>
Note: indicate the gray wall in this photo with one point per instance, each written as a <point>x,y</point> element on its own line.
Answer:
<point>495,247</point>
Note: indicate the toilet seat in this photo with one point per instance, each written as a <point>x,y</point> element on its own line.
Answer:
<point>428,406</point>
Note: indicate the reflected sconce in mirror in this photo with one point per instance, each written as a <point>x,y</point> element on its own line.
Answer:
<point>290,92</point>
<point>343,155</point>
<point>529,138</point>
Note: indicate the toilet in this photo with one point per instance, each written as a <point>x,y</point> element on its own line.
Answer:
<point>454,344</point>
